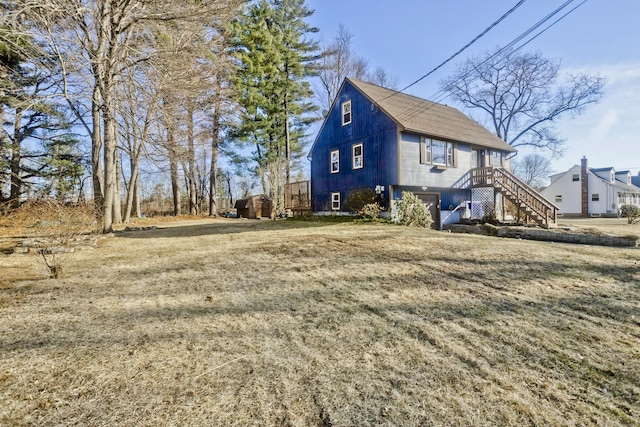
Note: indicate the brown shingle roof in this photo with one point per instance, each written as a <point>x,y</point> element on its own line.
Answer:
<point>418,115</point>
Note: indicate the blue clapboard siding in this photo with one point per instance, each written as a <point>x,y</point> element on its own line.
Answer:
<point>450,198</point>
<point>369,126</point>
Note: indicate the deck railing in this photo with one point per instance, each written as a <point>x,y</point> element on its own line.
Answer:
<point>297,196</point>
<point>517,191</point>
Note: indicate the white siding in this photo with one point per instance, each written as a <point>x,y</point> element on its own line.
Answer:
<point>605,191</point>
<point>570,190</point>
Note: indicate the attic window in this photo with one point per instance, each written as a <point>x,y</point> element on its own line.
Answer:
<point>346,112</point>
<point>576,177</point>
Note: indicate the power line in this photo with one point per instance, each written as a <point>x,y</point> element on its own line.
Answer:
<point>441,94</point>
<point>489,28</point>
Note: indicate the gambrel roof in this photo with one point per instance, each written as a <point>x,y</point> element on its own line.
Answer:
<point>424,117</point>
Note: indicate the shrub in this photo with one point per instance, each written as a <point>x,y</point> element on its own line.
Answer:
<point>491,229</point>
<point>370,211</point>
<point>411,211</point>
<point>631,212</point>
<point>54,229</point>
<point>357,199</point>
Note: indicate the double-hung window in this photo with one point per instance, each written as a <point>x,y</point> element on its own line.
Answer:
<point>595,197</point>
<point>496,158</point>
<point>335,201</point>
<point>346,113</point>
<point>335,161</point>
<point>357,156</point>
<point>438,153</point>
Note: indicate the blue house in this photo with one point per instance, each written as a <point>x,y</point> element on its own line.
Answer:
<point>391,142</point>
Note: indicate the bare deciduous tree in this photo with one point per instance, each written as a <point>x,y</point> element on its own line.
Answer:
<point>338,62</point>
<point>521,95</point>
<point>93,40</point>
<point>533,169</point>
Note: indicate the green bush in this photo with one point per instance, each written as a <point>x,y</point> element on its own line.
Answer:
<point>358,199</point>
<point>631,212</point>
<point>411,211</point>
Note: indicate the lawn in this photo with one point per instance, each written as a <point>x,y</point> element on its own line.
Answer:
<point>292,323</point>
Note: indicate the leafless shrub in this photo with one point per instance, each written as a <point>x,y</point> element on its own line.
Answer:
<point>53,229</point>
<point>370,211</point>
<point>631,212</point>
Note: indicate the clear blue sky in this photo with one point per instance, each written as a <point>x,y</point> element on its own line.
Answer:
<point>410,37</point>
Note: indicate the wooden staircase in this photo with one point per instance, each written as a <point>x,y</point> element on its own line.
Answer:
<point>532,203</point>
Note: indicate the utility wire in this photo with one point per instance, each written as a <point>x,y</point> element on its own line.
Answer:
<point>489,28</point>
<point>441,94</point>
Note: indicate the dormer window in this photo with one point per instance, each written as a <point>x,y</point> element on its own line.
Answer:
<point>346,113</point>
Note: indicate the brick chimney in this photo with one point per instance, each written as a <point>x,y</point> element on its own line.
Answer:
<point>584,185</point>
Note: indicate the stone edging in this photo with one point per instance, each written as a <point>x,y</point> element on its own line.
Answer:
<point>545,235</point>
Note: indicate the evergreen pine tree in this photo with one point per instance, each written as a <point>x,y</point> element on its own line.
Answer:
<point>275,56</point>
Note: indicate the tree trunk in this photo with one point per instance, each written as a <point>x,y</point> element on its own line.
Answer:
<point>287,138</point>
<point>215,150</point>
<point>109,166</point>
<point>3,172</point>
<point>173,171</point>
<point>191,165</point>
<point>137,209</point>
<point>16,177</point>
<point>131,191</point>
<point>96,149</point>
<point>117,201</point>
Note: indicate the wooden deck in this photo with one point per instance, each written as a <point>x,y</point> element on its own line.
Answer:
<point>538,208</point>
<point>297,197</point>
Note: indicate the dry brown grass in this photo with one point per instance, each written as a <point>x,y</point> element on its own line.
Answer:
<point>617,226</point>
<point>231,322</point>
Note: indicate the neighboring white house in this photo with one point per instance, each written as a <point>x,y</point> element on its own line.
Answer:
<point>584,191</point>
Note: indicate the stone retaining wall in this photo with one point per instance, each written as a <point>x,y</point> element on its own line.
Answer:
<point>545,235</point>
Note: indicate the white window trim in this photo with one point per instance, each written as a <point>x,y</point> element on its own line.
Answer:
<point>335,197</point>
<point>353,156</point>
<point>337,170</point>
<point>346,109</point>
<point>449,153</point>
<point>428,151</point>
<point>492,158</point>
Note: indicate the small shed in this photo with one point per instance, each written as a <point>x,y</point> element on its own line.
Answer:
<point>253,207</point>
